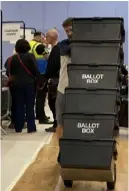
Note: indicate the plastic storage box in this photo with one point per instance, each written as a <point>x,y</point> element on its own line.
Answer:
<point>96,52</point>
<point>79,100</point>
<point>98,29</point>
<point>92,75</point>
<point>89,126</point>
<point>95,154</point>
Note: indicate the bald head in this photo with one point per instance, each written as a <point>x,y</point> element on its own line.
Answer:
<point>52,36</point>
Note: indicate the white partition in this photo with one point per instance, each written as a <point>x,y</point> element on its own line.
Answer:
<point>28,34</point>
<point>11,31</point>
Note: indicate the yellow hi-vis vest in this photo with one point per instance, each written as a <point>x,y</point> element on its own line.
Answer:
<point>41,61</point>
<point>33,46</point>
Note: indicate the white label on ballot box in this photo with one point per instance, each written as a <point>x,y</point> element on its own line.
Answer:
<point>88,127</point>
<point>92,78</point>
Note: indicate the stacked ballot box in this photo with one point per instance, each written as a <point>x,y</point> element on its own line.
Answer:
<point>92,99</point>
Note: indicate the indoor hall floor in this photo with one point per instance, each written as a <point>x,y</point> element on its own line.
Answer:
<point>44,173</point>
<point>18,151</point>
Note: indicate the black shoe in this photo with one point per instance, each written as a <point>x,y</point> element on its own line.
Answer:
<point>37,117</point>
<point>51,129</point>
<point>45,121</point>
<point>34,131</point>
<point>11,126</point>
<point>18,131</point>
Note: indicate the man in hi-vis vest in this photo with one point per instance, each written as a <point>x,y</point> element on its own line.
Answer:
<point>40,53</point>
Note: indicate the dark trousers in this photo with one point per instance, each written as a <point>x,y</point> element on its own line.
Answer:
<point>23,97</point>
<point>40,101</point>
<point>123,114</point>
<point>52,93</point>
<point>12,108</point>
<point>40,104</point>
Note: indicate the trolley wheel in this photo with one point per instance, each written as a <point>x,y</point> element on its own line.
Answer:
<point>68,183</point>
<point>111,185</point>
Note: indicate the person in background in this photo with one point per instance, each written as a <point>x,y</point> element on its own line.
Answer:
<point>63,77</point>
<point>41,54</point>
<point>11,125</point>
<point>23,77</point>
<point>52,73</point>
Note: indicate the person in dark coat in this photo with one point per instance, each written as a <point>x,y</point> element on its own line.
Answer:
<point>23,78</point>
<point>52,73</point>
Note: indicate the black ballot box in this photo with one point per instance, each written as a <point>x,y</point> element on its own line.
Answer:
<point>94,76</point>
<point>89,126</point>
<point>96,52</point>
<point>81,100</point>
<point>97,28</point>
<point>94,154</point>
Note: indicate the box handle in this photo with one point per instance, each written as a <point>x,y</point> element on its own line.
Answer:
<point>93,140</point>
<point>91,114</point>
<point>102,114</point>
<point>89,140</point>
<point>101,41</point>
<point>92,65</point>
<point>91,89</point>
<point>96,41</point>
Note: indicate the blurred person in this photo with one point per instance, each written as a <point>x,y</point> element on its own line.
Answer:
<point>63,76</point>
<point>23,77</point>
<point>49,47</point>
<point>52,73</point>
<point>41,54</point>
